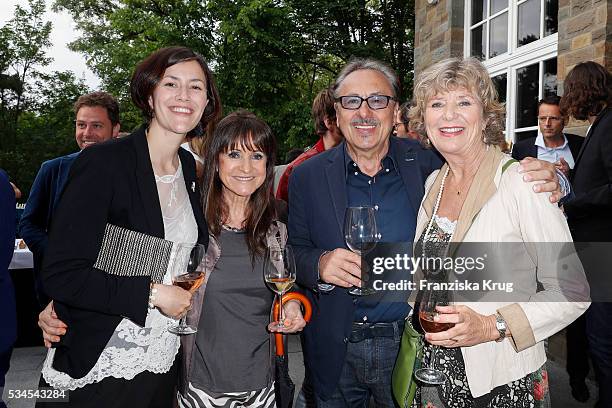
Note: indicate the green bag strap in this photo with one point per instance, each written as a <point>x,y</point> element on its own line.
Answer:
<point>507,164</point>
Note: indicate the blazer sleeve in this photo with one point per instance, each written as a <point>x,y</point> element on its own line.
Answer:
<point>600,197</point>
<point>565,295</point>
<point>75,240</point>
<point>33,224</point>
<point>521,149</point>
<point>306,254</point>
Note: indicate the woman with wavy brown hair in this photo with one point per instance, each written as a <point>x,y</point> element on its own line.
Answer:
<point>587,96</point>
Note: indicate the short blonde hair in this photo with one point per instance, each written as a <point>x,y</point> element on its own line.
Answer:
<point>453,73</point>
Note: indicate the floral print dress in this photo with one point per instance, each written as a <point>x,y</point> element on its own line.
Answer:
<point>530,391</point>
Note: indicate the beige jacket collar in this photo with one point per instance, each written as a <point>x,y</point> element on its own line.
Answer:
<point>481,190</point>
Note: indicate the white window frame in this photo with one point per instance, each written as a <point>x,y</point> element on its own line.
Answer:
<point>535,52</point>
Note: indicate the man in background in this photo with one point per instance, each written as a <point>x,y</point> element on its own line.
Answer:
<point>97,120</point>
<point>324,116</point>
<point>551,144</point>
<point>400,127</point>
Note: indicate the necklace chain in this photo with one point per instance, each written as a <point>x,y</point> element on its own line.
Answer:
<point>232,229</point>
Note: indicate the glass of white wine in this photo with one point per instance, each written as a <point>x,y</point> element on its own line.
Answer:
<point>188,271</point>
<point>279,274</point>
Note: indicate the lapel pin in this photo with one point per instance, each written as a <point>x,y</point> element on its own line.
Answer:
<point>193,186</point>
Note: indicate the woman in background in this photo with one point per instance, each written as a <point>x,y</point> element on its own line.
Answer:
<point>588,96</point>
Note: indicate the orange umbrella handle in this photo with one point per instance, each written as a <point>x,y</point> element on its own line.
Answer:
<point>278,337</point>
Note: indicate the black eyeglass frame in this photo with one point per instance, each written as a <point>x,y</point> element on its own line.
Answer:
<point>367,100</point>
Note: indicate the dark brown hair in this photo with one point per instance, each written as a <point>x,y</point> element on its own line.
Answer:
<point>240,129</point>
<point>151,70</point>
<point>323,108</point>
<point>550,100</point>
<point>586,91</point>
<point>404,109</point>
<point>101,99</point>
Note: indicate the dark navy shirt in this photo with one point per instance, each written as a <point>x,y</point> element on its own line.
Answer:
<point>395,221</point>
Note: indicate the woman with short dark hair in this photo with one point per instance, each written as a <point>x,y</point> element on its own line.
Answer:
<point>117,350</point>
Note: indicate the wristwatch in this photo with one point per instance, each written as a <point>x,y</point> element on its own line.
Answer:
<point>500,325</point>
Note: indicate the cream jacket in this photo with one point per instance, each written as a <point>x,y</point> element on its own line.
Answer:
<point>503,208</point>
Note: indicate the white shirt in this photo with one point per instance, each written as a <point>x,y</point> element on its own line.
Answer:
<point>554,154</point>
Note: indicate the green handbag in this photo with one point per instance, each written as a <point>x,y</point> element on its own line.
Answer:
<point>407,362</point>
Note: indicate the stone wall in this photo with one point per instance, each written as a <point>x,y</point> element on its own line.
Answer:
<point>438,32</point>
<point>585,34</point>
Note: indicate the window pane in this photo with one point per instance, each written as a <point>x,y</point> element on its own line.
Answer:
<point>550,77</point>
<point>478,42</point>
<point>501,82</point>
<point>498,5</point>
<point>551,8</point>
<point>518,136</point>
<point>498,43</point>
<point>528,22</point>
<point>527,96</point>
<point>479,9</point>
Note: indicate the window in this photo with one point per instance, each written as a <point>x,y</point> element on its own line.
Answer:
<point>517,41</point>
<point>497,27</point>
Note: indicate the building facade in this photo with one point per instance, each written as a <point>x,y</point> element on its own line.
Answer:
<point>528,46</point>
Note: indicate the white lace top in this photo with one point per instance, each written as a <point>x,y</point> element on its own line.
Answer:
<point>133,349</point>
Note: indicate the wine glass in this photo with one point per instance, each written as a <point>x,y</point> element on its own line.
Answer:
<point>427,311</point>
<point>279,274</point>
<point>360,235</point>
<point>187,269</point>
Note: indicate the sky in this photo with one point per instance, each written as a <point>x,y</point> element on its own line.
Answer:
<point>63,32</point>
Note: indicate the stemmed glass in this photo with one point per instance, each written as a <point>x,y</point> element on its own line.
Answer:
<point>360,235</point>
<point>279,274</point>
<point>187,269</point>
<point>427,311</point>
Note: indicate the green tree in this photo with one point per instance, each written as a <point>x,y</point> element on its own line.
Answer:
<point>45,130</point>
<point>28,37</point>
<point>269,56</point>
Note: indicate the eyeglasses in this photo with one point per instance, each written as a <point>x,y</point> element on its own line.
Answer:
<point>375,102</point>
<point>544,119</point>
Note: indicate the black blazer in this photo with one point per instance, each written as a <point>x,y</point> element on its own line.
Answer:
<point>589,211</point>
<point>527,147</point>
<point>113,183</point>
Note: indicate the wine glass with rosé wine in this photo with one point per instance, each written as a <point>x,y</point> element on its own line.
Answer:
<point>430,300</point>
<point>187,271</point>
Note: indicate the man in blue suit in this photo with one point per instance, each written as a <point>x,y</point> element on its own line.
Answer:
<point>351,342</point>
<point>97,120</point>
<point>8,322</point>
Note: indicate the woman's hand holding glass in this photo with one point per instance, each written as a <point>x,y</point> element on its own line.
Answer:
<point>470,328</point>
<point>172,301</point>
<point>293,319</point>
